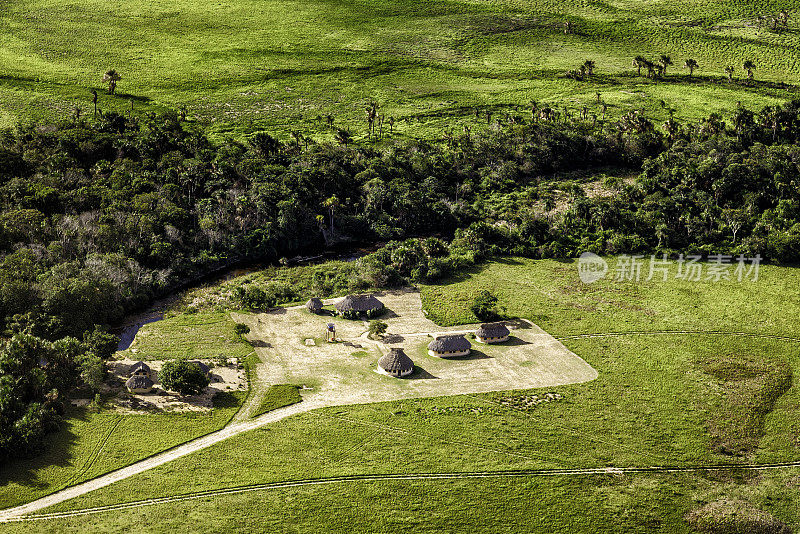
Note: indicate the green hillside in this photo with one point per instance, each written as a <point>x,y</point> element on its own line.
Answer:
<point>285,65</point>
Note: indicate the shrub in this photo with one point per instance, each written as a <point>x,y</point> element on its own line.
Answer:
<point>485,306</point>
<point>377,328</point>
<point>183,376</point>
<point>241,329</point>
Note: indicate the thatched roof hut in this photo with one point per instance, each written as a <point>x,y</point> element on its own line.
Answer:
<point>396,364</point>
<point>354,305</point>
<point>314,305</point>
<point>139,369</point>
<point>450,345</point>
<point>492,333</point>
<point>139,384</point>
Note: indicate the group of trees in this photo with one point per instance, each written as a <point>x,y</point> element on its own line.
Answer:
<point>658,68</point>
<point>98,217</point>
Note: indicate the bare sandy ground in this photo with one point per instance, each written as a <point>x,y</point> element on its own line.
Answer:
<point>228,378</point>
<point>344,372</point>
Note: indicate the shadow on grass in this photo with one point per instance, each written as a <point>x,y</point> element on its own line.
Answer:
<point>507,261</point>
<point>56,452</point>
<point>134,98</point>
<point>420,374</point>
<point>513,341</point>
<point>473,355</point>
<point>225,399</point>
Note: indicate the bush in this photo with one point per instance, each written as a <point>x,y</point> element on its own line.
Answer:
<point>183,376</point>
<point>241,329</point>
<point>377,328</point>
<point>485,308</point>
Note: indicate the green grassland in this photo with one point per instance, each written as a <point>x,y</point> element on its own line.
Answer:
<point>280,64</point>
<point>93,443</point>
<point>206,334</point>
<point>277,397</point>
<point>660,399</point>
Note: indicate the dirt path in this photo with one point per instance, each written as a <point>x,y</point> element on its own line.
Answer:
<point>269,370</point>
<point>398,477</point>
<point>157,460</point>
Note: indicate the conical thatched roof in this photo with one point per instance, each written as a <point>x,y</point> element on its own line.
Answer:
<point>450,343</point>
<point>359,303</point>
<point>493,330</point>
<point>139,366</point>
<point>314,305</point>
<point>139,382</point>
<point>396,362</point>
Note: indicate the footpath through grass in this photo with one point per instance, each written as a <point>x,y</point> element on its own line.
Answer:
<point>93,443</point>
<point>683,399</point>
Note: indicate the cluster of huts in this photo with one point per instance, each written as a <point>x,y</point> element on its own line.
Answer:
<point>141,378</point>
<point>398,364</point>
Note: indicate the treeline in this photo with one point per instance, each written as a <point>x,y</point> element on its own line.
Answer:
<point>96,218</point>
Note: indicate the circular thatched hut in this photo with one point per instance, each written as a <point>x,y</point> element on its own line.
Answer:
<point>449,346</point>
<point>396,364</point>
<point>314,305</point>
<point>492,333</point>
<point>139,384</point>
<point>354,306</point>
<point>140,369</point>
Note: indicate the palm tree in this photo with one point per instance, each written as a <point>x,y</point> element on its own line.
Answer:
<point>690,64</point>
<point>729,71</point>
<point>111,78</point>
<point>589,66</point>
<point>343,137</point>
<point>749,66</point>
<point>639,62</point>
<point>534,105</point>
<point>651,68</point>
<point>331,203</point>
<point>665,61</point>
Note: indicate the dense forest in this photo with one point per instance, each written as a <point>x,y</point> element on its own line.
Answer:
<point>98,217</point>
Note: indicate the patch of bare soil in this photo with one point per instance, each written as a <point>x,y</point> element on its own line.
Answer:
<point>228,378</point>
<point>336,375</point>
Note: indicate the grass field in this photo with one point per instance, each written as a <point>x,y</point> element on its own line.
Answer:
<point>91,444</point>
<point>660,399</point>
<point>277,396</point>
<point>207,334</point>
<point>279,64</point>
